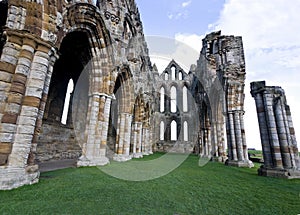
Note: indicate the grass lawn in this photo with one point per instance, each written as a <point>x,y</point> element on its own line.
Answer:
<point>190,189</point>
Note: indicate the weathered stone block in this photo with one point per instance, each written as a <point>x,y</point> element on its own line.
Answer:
<point>3,159</point>
<point>8,128</point>
<point>29,111</point>
<point>20,78</point>
<point>5,76</point>
<point>7,67</point>
<point>6,137</point>
<point>5,148</point>
<point>4,86</point>
<point>15,98</point>
<point>31,101</point>
<point>34,91</point>
<point>9,118</point>
<point>18,88</point>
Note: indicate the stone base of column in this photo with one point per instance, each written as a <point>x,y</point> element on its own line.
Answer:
<point>137,155</point>
<point>12,177</point>
<point>83,161</point>
<point>278,173</point>
<point>220,159</point>
<point>122,158</point>
<point>246,163</point>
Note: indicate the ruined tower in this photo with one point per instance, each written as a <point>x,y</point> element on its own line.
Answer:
<point>220,74</point>
<point>280,151</point>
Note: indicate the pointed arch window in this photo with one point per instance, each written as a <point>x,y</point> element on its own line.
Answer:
<point>174,130</point>
<point>162,99</point>
<point>162,131</point>
<point>185,99</point>
<point>180,76</point>
<point>173,99</point>
<point>185,131</point>
<point>66,109</point>
<point>173,72</point>
<point>166,76</point>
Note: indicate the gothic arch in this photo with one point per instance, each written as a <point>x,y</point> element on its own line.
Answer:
<point>122,109</point>
<point>85,17</point>
<point>75,54</point>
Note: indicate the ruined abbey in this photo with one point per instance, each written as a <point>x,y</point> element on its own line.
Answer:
<point>120,107</point>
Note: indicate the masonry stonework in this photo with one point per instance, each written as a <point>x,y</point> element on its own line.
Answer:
<point>280,151</point>
<point>120,106</point>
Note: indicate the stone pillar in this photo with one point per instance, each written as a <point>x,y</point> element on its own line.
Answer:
<point>139,130</point>
<point>237,146</point>
<point>94,148</point>
<point>281,158</point>
<point>123,138</point>
<point>24,107</point>
<point>135,140</point>
<point>263,128</point>
<point>47,77</point>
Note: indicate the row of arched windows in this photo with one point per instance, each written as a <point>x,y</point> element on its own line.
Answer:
<point>173,97</point>
<point>174,135</point>
<point>173,74</point>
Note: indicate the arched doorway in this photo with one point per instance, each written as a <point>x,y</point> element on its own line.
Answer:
<point>121,116</point>
<point>57,139</point>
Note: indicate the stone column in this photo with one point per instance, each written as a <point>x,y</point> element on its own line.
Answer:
<point>238,136</point>
<point>94,149</point>
<point>25,99</point>
<point>232,138</point>
<point>123,138</point>
<point>277,141</point>
<point>263,128</point>
<point>30,109</point>
<point>272,128</point>
<point>12,91</point>
<point>283,135</point>
<point>47,77</point>
<point>139,130</point>
<point>237,146</point>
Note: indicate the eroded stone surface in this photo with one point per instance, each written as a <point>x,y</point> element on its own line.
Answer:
<point>280,151</point>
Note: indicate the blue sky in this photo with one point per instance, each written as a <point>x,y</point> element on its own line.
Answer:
<point>271,37</point>
<point>170,17</point>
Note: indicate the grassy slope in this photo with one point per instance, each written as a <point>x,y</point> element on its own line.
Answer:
<point>190,189</point>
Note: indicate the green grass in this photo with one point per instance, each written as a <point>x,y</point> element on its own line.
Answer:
<point>190,189</point>
<point>257,152</point>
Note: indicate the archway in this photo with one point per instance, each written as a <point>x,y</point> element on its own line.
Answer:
<point>57,140</point>
<point>121,114</point>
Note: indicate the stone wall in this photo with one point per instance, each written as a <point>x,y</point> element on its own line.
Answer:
<point>57,142</point>
<point>34,53</point>
<point>179,108</point>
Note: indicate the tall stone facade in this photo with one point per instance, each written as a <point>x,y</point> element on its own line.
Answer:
<point>46,44</point>
<point>174,110</point>
<point>215,101</point>
<point>220,81</point>
<point>280,151</point>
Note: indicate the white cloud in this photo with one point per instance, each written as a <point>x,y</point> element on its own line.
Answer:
<point>170,16</point>
<point>186,3</point>
<point>271,37</point>
<point>180,11</point>
<point>192,40</point>
<point>179,15</point>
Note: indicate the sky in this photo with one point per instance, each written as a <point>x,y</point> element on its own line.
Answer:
<point>271,36</point>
